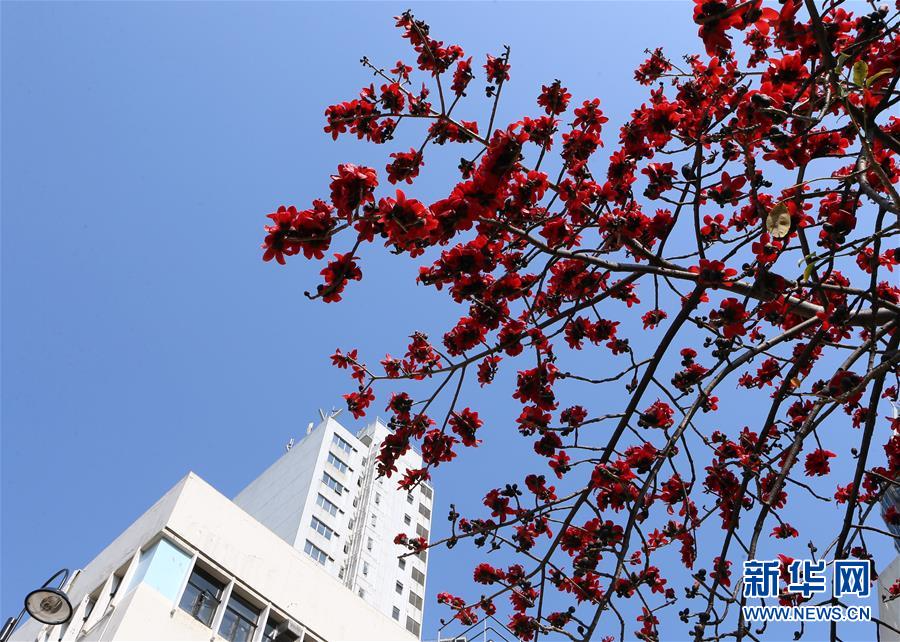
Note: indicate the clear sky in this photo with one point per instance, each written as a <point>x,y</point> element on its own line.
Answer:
<point>143,337</point>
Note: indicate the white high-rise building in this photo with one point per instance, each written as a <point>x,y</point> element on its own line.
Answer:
<point>304,554</point>
<point>324,498</point>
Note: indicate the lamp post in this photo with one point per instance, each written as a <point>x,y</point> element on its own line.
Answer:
<point>47,604</point>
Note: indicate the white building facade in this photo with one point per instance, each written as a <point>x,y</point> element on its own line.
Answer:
<point>304,554</point>
<point>324,498</point>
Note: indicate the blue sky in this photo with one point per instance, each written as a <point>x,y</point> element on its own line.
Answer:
<point>143,336</point>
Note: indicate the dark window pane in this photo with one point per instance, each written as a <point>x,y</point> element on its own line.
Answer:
<point>201,596</point>
<point>239,621</point>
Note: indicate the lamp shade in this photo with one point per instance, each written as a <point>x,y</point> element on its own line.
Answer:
<point>49,606</point>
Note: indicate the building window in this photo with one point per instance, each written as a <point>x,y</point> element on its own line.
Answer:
<point>402,562</point>
<point>320,527</point>
<point>399,587</point>
<point>407,520</point>
<point>116,583</point>
<point>374,519</point>
<point>315,552</point>
<point>418,576</point>
<point>409,498</point>
<point>330,507</point>
<point>415,600</point>
<point>341,443</point>
<point>362,593</point>
<point>423,556</point>
<point>369,544</point>
<point>337,463</point>
<point>395,613</point>
<point>276,631</point>
<point>377,498</point>
<point>239,621</point>
<point>412,626</point>
<point>202,595</point>
<point>425,511</point>
<point>427,491</point>
<point>332,483</point>
<point>89,606</point>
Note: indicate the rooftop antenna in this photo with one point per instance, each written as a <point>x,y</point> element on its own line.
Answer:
<point>322,414</point>
<point>335,412</point>
<point>289,445</point>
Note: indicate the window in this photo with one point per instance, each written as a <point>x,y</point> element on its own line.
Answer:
<point>423,556</point>
<point>89,606</point>
<point>424,511</point>
<point>362,593</point>
<point>409,498</point>
<point>415,600</point>
<point>315,552</point>
<point>395,613</point>
<point>202,595</point>
<point>330,507</point>
<point>399,588</point>
<point>365,568</point>
<point>377,498</point>
<point>369,544</point>
<point>402,562</point>
<point>427,491</point>
<point>276,631</point>
<point>412,626</point>
<point>374,519</point>
<point>418,576</point>
<point>421,531</point>
<point>341,443</point>
<point>337,463</point>
<point>332,483</point>
<point>320,527</point>
<point>407,520</point>
<point>115,584</point>
<point>239,621</point>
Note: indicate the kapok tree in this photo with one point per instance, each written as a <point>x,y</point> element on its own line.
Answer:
<point>748,212</point>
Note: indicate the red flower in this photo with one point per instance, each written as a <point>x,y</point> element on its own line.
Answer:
<point>497,69</point>
<point>487,574</point>
<point>817,462</point>
<point>554,99</point>
<point>337,274</point>
<point>652,318</point>
<point>713,274</point>
<point>465,423</point>
<point>404,167</point>
<point>784,531</point>
<point>731,317</point>
<point>405,221</point>
<point>462,76</point>
<point>658,415</point>
<point>357,402</point>
<point>351,187</point>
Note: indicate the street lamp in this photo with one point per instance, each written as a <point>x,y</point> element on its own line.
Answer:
<point>47,604</point>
